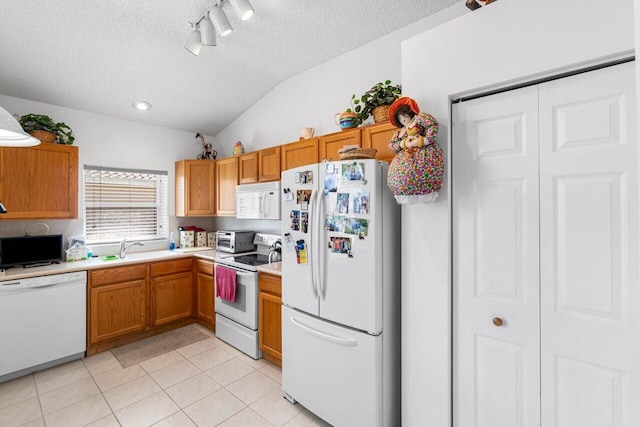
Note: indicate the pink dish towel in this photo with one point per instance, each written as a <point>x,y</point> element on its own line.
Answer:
<point>226,283</point>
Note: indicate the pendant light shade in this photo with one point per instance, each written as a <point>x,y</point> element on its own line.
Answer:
<point>207,31</point>
<point>243,8</point>
<point>12,134</point>
<point>194,42</point>
<point>220,20</point>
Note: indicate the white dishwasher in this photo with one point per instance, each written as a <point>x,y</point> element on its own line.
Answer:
<point>42,322</point>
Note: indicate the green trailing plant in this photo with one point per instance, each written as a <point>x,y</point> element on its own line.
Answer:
<point>380,94</point>
<point>31,122</point>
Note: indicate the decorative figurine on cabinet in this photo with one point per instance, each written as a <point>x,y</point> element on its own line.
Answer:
<point>238,149</point>
<point>416,171</point>
<point>208,153</point>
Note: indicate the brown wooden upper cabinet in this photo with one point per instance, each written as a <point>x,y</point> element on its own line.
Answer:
<point>39,182</point>
<point>195,188</point>
<point>378,136</point>
<point>331,143</point>
<point>260,166</point>
<point>269,164</point>
<point>300,153</point>
<point>227,181</point>
<point>248,164</point>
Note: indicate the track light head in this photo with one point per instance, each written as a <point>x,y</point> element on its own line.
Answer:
<point>220,21</point>
<point>194,42</point>
<point>207,31</point>
<point>243,8</point>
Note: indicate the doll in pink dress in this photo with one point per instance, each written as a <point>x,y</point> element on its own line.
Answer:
<point>416,172</point>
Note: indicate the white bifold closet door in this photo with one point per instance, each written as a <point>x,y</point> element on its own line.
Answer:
<point>546,298</point>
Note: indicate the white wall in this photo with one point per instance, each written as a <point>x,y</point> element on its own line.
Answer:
<point>313,97</point>
<point>505,42</point>
<point>108,141</point>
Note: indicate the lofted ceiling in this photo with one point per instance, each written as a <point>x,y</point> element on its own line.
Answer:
<point>100,56</point>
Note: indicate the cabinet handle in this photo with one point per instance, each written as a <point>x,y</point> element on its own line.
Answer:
<point>497,321</point>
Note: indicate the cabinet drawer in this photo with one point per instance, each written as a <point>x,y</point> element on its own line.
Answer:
<point>170,267</point>
<point>105,276</point>
<point>271,284</point>
<point>204,267</point>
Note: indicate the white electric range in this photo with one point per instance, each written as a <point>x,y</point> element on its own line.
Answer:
<point>237,321</point>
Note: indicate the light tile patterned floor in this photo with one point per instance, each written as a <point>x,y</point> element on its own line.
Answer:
<point>208,383</point>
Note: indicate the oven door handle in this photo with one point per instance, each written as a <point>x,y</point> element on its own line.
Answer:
<point>238,271</point>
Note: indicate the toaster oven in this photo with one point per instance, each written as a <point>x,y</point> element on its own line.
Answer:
<point>235,241</point>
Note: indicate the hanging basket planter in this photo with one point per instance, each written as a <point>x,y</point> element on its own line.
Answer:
<point>44,136</point>
<point>381,114</point>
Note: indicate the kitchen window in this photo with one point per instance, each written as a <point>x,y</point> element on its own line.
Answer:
<point>124,204</point>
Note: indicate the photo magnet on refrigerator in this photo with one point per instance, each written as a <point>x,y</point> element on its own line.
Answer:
<point>289,245</point>
<point>301,252</point>
<point>295,220</point>
<point>302,198</point>
<point>353,171</point>
<point>305,177</point>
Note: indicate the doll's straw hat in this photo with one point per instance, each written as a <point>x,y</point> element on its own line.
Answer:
<point>404,100</point>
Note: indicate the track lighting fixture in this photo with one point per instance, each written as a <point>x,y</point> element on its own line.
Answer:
<point>207,31</point>
<point>214,18</point>
<point>194,42</point>
<point>12,134</point>
<point>243,8</point>
<point>220,20</point>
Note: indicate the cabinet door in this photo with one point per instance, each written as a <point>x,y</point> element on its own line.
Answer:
<point>227,181</point>
<point>270,325</point>
<point>205,298</point>
<point>39,182</point>
<point>378,136</point>
<point>195,187</point>
<point>116,310</point>
<point>330,144</point>
<point>270,317</point>
<point>269,164</point>
<point>300,153</point>
<point>172,297</point>
<point>248,168</point>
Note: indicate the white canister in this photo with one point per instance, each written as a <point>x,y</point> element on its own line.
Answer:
<point>211,239</point>
<point>187,238</point>
<point>201,239</point>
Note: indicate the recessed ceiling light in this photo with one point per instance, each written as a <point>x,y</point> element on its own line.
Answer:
<point>141,105</point>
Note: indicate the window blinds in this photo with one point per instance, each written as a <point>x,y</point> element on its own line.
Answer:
<point>124,203</point>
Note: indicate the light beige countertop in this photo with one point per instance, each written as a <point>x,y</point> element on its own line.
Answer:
<point>16,273</point>
<point>273,268</point>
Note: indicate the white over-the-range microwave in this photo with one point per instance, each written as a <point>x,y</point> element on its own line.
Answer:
<point>258,201</point>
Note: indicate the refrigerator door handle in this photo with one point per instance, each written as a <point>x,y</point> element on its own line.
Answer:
<point>349,342</point>
<point>311,254</point>
<point>321,289</point>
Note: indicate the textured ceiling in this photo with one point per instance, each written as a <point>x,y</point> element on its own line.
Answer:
<point>100,56</point>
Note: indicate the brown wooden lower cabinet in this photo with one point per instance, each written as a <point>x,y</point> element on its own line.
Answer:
<point>172,297</point>
<point>126,304</point>
<point>171,290</point>
<point>117,302</point>
<point>205,297</point>
<point>270,317</point>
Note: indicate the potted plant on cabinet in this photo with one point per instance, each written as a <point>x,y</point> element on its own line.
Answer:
<point>46,130</point>
<point>376,101</point>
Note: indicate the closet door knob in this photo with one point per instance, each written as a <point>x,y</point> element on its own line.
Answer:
<point>497,321</point>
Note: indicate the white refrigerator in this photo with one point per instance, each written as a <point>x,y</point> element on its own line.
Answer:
<point>341,292</point>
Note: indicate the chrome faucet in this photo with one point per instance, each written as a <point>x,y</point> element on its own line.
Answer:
<point>124,246</point>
